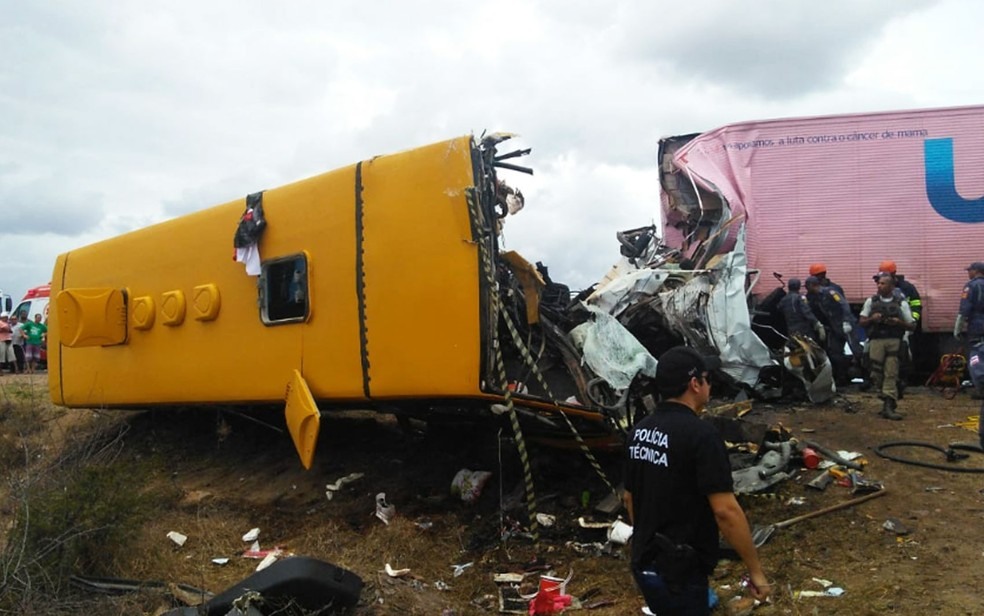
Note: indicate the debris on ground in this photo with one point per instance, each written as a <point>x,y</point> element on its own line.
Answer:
<point>299,582</point>
<point>894,525</point>
<point>384,511</point>
<point>177,537</point>
<point>390,571</point>
<point>338,484</point>
<point>468,485</point>
<point>620,532</point>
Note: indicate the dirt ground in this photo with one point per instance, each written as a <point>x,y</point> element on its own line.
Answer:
<point>223,473</point>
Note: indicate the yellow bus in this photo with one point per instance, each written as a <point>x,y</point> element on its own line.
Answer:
<point>380,286</point>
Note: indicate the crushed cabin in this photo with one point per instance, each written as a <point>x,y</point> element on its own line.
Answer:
<point>380,285</point>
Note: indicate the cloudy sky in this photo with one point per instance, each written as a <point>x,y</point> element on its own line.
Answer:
<point>115,115</point>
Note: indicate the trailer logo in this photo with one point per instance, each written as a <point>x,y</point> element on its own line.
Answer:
<point>941,188</point>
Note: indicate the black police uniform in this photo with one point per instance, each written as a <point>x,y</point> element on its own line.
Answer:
<point>799,317</point>
<point>675,460</point>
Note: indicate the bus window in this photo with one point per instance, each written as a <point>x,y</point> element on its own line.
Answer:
<point>284,290</point>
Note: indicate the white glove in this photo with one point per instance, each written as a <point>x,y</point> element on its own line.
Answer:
<point>821,333</point>
<point>847,328</point>
<point>957,326</point>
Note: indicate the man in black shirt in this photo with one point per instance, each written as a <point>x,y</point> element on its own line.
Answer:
<point>679,494</point>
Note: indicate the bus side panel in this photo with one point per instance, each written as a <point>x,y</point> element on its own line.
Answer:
<point>320,218</point>
<point>232,358</point>
<point>421,273</point>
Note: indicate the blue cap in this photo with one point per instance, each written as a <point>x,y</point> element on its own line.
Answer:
<point>812,280</point>
<point>976,265</point>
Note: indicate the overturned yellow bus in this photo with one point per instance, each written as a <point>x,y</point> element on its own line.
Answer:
<point>380,285</point>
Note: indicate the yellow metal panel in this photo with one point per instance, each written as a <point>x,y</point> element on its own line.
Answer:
<point>91,317</point>
<point>233,358</point>
<point>421,273</point>
<point>420,284</point>
<point>303,418</point>
<point>330,343</point>
<point>531,281</point>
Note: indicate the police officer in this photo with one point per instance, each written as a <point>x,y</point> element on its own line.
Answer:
<point>906,288</point>
<point>886,317</point>
<point>908,291</point>
<point>830,307</point>
<point>972,305</point>
<point>972,313</point>
<point>800,320</point>
<point>820,271</point>
<point>679,493</point>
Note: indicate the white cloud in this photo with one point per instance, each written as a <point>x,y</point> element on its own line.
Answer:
<point>766,49</point>
<point>118,115</point>
<point>574,210</point>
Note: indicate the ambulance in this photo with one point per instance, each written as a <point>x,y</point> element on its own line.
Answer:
<point>35,301</point>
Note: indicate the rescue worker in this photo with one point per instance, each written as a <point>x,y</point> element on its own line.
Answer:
<point>972,314</point>
<point>911,295</point>
<point>830,307</point>
<point>800,320</point>
<point>886,317</point>
<point>820,271</point>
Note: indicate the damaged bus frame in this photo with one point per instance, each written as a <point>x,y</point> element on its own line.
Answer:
<point>381,286</point>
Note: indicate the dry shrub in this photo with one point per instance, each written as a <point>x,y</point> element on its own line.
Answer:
<point>70,515</point>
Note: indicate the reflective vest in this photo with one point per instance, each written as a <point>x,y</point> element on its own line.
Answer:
<point>888,310</point>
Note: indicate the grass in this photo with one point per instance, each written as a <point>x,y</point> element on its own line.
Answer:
<point>68,503</point>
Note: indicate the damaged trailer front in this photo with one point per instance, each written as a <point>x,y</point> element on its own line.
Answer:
<point>665,296</point>
<point>849,191</point>
<point>379,285</point>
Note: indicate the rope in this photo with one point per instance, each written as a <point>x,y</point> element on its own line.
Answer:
<point>524,456</point>
<point>517,339</point>
<point>500,366</point>
<point>522,347</point>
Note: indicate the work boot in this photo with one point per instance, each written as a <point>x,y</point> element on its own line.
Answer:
<point>888,410</point>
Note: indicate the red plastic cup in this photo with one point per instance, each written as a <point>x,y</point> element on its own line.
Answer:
<point>810,458</point>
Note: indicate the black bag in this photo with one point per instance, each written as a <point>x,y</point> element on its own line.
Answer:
<point>676,563</point>
<point>251,223</point>
<point>306,583</point>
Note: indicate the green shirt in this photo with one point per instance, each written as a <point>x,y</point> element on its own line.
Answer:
<point>34,332</point>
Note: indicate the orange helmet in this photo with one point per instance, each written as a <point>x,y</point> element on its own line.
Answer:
<point>818,268</point>
<point>887,266</point>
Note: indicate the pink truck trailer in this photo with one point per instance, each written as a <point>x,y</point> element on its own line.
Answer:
<point>849,191</point>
